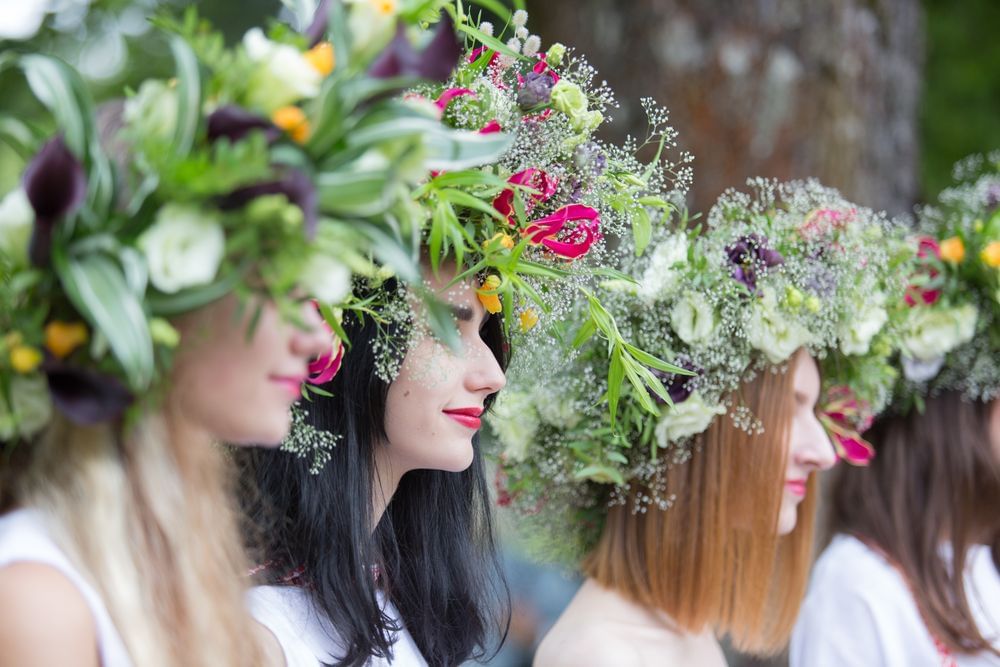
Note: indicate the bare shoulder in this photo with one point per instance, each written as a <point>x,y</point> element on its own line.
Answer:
<point>578,645</point>
<point>44,619</point>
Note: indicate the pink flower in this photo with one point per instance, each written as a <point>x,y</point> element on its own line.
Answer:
<point>491,127</point>
<point>445,98</point>
<point>822,221</point>
<point>929,251</point>
<point>534,178</point>
<point>578,240</point>
<point>846,417</point>
<point>326,366</point>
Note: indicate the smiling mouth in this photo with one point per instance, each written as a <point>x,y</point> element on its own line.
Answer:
<point>467,417</point>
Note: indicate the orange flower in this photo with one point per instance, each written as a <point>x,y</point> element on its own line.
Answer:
<point>61,338</point>
<point>506,240</point>
<point>529,318</point>
<point>292,120</point>
<point>952,250</point>
<point>991,254</point>
<point>385,7</point>
<point>321,57</point>
<point>25,358</point>
<point>488,294</point>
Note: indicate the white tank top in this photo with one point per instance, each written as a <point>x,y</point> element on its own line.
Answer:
<point>24,538</point>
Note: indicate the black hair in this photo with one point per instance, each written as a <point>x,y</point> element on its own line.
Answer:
<point>434,547</point>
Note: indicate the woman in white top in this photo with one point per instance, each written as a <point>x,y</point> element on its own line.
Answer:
<point>386,555</point>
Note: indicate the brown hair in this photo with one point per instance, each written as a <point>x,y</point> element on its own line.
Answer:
<point>714,558</point>
<point>935,478</point>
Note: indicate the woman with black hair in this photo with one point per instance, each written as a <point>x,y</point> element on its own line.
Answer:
<point>387,555</point>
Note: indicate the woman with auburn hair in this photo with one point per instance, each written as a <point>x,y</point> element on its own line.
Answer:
<point>911,575</point>
<point>692,511</point>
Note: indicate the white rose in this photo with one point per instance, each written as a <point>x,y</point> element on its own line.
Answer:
<point>693,318</point>
<point>515,422</point>
<point>326,279</point>
<point>283,74</point>
<point>686,419</point>
<point>919,370</point>
<point>32,407</point>
<point>857,333</point>
<point>16,220</point>
<point>183,248</point>
<point>933,332</point>
<point>773,332</point>
<point>660,277</point>
<point>153,109</point>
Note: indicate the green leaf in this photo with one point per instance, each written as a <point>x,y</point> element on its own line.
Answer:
<point>601,474</point>
<point>441,320</point>
<point>585,333</point>
<point>642,230</point>
<point>303,11</point>
<point>655,362</point>
<point>496,7</point>
<point>348,194</point>
<point>616,373</point>
<point>52,82</point>
<point>21,138</point>
<point>391,251</point>
<point>466,200</point>
<point>188,95</point>
<point>167,305</point>
<point>488,41</point>
<point>96,286</point>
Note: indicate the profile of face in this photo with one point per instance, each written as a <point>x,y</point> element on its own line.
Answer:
<point>809,446</point>
<point>995,427</point>
<point>434,405</point>
<point>236,383</point>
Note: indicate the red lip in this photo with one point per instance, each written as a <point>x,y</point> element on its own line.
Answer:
<point>468,417</point>
<point>291,383</point>
<point>797,487</point>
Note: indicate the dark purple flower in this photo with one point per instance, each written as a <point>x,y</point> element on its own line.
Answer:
<point>993,196</point>
<point>679,387</point>
<point>317,29</point>
<point>535,89</point>
<point>234,123</point>
<point>750,255</point>
<point>86,396</point>
<point>56,186</point>
<point>294,184</point>
<point>590,158</point>
<point>434,63</point>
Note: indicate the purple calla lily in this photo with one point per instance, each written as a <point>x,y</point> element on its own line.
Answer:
<point>317,29</point>
<point>234,123</point>
<point>679,387</point>
<point>86,396</point>
<point>749,255</point>
<point>434,63</point>
<point>294,184</point>
<point>56,186</point>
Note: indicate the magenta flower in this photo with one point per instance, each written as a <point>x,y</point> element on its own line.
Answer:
<point>56,186</point>
<point>846,417</point>
<point>326,367</point>
<point>445,98</point>
<point>577,241</point>
<point>537,179</point>
<point>929,252</point>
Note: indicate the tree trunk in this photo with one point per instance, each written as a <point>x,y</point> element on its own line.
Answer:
<point>781,88</point>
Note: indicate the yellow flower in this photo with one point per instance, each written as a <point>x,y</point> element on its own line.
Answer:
<point>63,337</point>
<point>506,240</point>
<point>991,254</point>
<point>488,296</point>
<point>25,358</point>
<point>953,250</point>
<point>322,58</point>
<point>384,7</point>
<point>529,318</point>
<point>292,120</point>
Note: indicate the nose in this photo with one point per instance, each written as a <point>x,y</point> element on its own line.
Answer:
<point>817,451</point>
<point>314,337</point>
<point>484,375</point>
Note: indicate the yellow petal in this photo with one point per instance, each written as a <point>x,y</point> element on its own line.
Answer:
<point>321,57</point>
<point>991,254</point>
<point>529,318</point>
<point>25,358</point>
<point>292,120</point>
<point>61,338</point>
<point>953,250</point>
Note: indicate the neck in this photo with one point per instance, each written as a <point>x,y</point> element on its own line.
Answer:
<point>387,479</point>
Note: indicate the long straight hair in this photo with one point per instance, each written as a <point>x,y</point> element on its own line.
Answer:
<point>714,558</point>
<point>935,479</point>
<point>432,554</point>
<point>152,522</point>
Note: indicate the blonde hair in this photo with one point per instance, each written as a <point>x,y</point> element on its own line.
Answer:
<point>714,558</point>
<point>151,521</point>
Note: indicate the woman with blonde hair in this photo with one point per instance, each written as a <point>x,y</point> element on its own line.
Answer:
<point>695,504</point>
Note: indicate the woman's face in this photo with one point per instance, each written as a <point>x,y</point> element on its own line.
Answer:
<point>434,405</point>
<point>236,384</point>
<point>809,447</point>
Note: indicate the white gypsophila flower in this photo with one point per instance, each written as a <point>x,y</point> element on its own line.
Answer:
<point>683,420</point>
<point>693,318</point>
<point>774,332</point>
<point>152,111</point>
<point>325,278</point>
<point>183,247</point>
<point>857,333</point>
<point>660,277</point>
<point>16,220</point>
<point>520,18</point>
<point>282,76</point>
<point>918,370</point>
<point>32,407</point>
<point>486,28</point>
<point>515,422</point>
<point>531,46</point>
<point>932,332</point>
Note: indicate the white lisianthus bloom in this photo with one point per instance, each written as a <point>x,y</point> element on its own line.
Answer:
<point>693,318</point>
<point>371,23</point>
<point>515,422</point>
<point>921,370</point>
<point>774,332</point>
<point>22,19</point>
<point>682,420</point>
<point>660,276</point>
<point>152,111</point>
<point>283,75</point>
<point>16,220</point>
<point>183,248</point>
<point>32,407</point>
<point>857,333</point>
<point>325,278</point>
<point>934,332</point>
<point>555,410</point>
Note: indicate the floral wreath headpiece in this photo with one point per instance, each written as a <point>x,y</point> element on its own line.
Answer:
<point>950,337</point>
<point>792,266</point>
<point>288,159</point>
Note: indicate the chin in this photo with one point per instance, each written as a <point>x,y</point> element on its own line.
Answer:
<point>459,457</point>
<point>787,520</point>
<point>264,434</point>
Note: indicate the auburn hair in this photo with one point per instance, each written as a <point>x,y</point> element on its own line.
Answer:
<point>714,558</point>
<point>935,479</point>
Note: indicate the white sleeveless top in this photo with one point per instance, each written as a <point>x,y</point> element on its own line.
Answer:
<point>306,636</point>
<point>24,538</point>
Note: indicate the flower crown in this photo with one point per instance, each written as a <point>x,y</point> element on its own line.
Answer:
<point>286,159</point>
<point>794,266</point>
<point>949,337</point>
